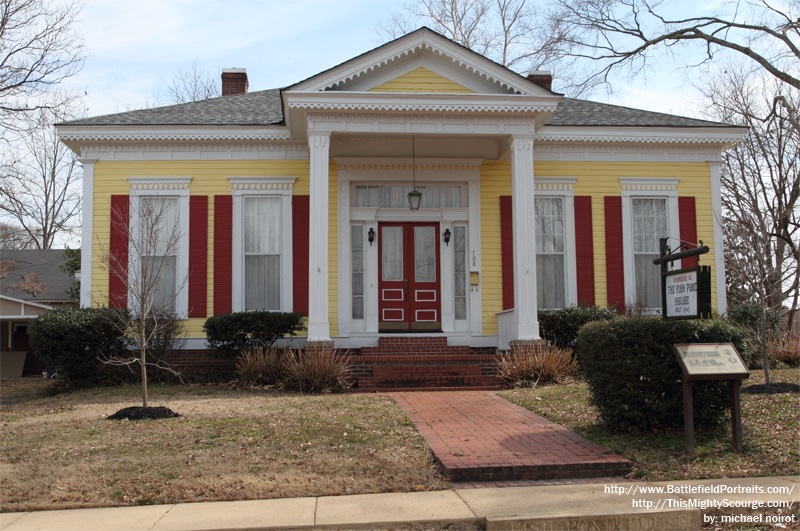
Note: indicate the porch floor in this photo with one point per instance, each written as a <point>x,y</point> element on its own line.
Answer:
<point>478,436</point>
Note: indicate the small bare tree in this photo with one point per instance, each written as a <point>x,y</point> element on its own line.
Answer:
<point>149,272</point>
<point>14,237</point>
<point>510,32</point>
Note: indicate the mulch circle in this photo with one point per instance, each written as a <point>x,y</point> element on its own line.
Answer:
<point>141,413</point>
<point>771,389</point>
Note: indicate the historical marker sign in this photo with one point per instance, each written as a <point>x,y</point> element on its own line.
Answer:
<point>681,294</point>
<point>710,361</point>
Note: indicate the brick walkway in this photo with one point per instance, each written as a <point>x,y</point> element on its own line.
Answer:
<point>478,436</point>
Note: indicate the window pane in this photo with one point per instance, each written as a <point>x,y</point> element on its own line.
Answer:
<point>159,231</point>
<point>159,279</point>
<point>392,253</point>
<point>425,254</point>
<point>396,196</point>
<point>650,223</point>
<point>357,273</point>
<point>262,282</point>
<point>262,225</point>
<point>550,281</point>
<point>549,224</point>
<point>648,281</point>
<point>460,271</point>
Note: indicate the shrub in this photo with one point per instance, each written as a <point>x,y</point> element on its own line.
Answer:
<point>560,327</point>
<point>261,365</point>
<point>635,380</point>
<point>528,365</point>
<point>69,341</point>
<point>234,332</point>
<point>314,370</point>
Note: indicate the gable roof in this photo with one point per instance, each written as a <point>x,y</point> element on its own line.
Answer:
<point>45,263</point>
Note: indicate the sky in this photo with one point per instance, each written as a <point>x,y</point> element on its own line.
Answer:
<point>135,47</point>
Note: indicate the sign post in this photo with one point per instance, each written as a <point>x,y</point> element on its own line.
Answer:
<point>685,293</point>
<point>711,361</point>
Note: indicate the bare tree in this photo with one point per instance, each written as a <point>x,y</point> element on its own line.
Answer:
<point>193,84</point>
<point>41,179</point>
<point>510,32</point>
<point>760,195</point>
<point>149,272</point>
<point>629,34</point>
<point>39,48</point>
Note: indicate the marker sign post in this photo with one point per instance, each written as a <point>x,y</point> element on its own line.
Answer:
<point>711,361</point>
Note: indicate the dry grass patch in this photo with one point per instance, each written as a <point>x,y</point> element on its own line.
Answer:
<point>60,451</point>
<point>770,424</point>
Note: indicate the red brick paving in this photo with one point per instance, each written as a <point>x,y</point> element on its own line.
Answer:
<point>477,437</point>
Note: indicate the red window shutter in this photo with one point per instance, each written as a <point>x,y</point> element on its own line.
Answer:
<point>584,250</point>
<point>300,227</point>
<point>118,255</point>
<point>198,255</point>
<point>507,251</point>
<point>223,254</point>
<point>615,268</point>
<point>687,214</point>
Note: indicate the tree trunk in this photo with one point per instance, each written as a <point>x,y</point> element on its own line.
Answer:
<point>764,340</point>
<point>143,363</point>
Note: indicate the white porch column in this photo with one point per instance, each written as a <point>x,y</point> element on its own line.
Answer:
<point>87,228</point>
<point>524,223</point>
<point>319,328</point>
<point>719,238</point>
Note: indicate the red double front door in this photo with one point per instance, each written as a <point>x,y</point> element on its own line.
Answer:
<point>409,294</point>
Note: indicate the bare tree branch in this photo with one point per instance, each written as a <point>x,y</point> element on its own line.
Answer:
<point>193,84</point>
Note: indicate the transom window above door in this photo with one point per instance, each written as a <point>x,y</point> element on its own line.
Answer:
<point>396,196</point>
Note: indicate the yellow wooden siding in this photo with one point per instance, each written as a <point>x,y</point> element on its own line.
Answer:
<point>594,179</point>
<point>208,178</point>
<point>422,80</point>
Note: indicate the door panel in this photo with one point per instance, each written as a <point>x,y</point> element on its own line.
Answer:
<point>409,285</point>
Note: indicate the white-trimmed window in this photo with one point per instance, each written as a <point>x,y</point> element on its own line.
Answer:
<point>649,212</point>
<point>262,243</point>
<point>158,267</point>
<point>357,269</point>
<point>556,271</point>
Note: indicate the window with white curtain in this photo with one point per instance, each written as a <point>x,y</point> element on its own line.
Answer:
<point>158,245</point>
<point>357,273</point>
<point>262,253</point>
<point>550,252</point>
<point>262,244</point>
<point>460,272</point>
<point>396,196</point>
<point>650,223</point>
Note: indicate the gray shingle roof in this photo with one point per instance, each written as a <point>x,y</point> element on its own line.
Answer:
<point>572,112</point>
<point>44,263</point>
<point>263,108</point>
<point>254,108</point>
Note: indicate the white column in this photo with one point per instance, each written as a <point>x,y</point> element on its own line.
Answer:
<point>319,328</point>
<point>524,223</point>
<point>87,221</point>
<point>719,238</point>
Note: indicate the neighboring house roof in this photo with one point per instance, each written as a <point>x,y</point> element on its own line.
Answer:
<point>11,308</point>
<point>45,263</point>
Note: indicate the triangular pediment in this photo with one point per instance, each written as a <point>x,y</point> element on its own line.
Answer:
<point>421,62</point>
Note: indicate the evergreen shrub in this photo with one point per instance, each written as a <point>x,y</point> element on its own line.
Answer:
<point>560,327</point>
<point>234,332</point>
<point>635,380</point>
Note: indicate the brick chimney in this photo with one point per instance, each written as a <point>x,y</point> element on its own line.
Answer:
<point>234,81</point>
<point>543,78</point>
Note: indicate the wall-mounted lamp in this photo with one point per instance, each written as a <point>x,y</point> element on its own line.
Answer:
<point>447,234</point>
<point>371,235</point>
<point>415,196</point>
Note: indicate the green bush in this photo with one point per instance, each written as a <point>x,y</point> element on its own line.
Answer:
<point>234,332</point>
<point>748,316</point>
<point>635,380</point>
<point>69,341</point>
<point>560,327</point>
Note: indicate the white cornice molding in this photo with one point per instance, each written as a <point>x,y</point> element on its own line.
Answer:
<point>259,183</point>
<point>423,41</point>
<point>352,164</point>
<point>545,184</point>
<point>645,185</point>
<point>416,102</point>
<point>721,136</point>
<point>159,183</point>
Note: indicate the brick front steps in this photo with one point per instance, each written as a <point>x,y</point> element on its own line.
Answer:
<point>417,363</point>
